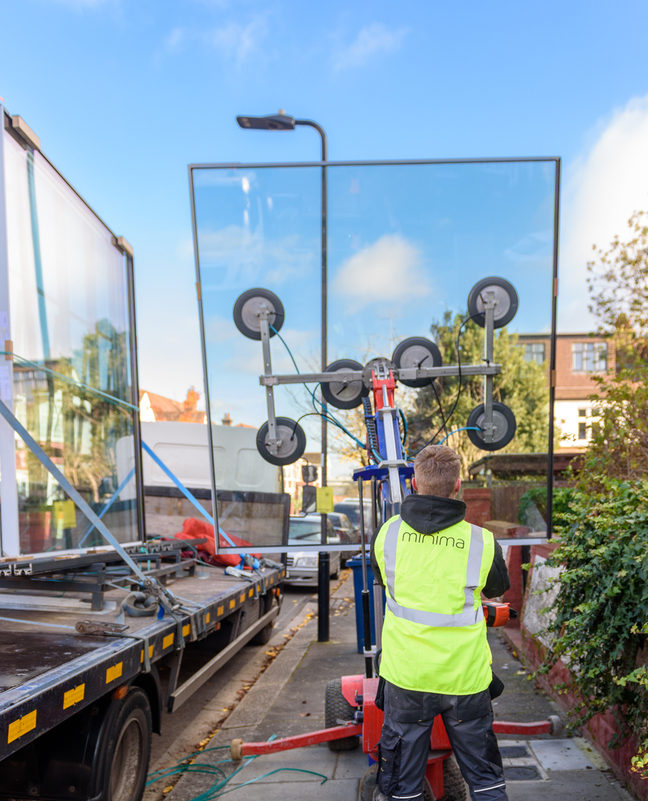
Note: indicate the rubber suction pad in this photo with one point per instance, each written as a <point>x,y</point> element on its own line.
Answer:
<point>504,426</point>
<point>344,394</point>
<point>247,308</point>
<point>291,445</point>
<point>506,300</point>
<point>416,352</point>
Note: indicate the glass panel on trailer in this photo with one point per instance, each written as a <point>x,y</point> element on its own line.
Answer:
<point>70,331</point>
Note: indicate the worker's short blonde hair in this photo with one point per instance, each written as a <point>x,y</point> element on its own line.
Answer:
<point>436,469</point>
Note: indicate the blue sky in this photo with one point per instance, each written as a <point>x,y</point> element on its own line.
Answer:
<point>125,93</point>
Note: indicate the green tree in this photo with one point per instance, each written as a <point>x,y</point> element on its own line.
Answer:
<point>618,287</point>
<point>521,385</point>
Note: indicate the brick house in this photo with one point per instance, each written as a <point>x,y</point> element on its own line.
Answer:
<point>579,357</point>
<point>154,407</point>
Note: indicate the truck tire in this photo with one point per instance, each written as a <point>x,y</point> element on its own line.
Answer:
<point>263,636</point>
<point>337,710</point>
<point>454,786</point>
<point>128,748</point>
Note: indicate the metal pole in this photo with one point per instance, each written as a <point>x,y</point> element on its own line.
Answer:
<point>552,357</point>
<point>10,524</point>
<point>323,572</point>
<point>203,347</point>
<point>137,431</point>
<point>366,604</point>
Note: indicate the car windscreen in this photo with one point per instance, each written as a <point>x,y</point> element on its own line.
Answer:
<point>352,511</point>
<point>304,531</point>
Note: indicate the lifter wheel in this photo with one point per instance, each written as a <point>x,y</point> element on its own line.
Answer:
<point>454,786</point>
<point>368,784</point>
<point>337,711</point>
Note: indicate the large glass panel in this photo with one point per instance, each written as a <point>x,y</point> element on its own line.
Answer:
<point>70,330</point>
<point>406,243</point>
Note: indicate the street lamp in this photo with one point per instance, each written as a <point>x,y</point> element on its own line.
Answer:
<point>283,122</point>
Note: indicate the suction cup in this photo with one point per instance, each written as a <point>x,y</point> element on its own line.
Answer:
<point>416,352</point>
<point>291,445</point>
<point>247,308</point>
<point>343,394</point>
<point>380,365</point>
<point>504,426</point>
<point>506,301</point>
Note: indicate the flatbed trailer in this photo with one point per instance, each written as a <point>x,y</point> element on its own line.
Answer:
<point>77,709</point>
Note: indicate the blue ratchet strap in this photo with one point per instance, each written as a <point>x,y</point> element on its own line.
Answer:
<point>186,493</point>
<point>118,492</point>
<point>47,463</point>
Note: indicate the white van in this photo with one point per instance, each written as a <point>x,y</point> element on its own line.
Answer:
<point>250,500</point>
<point>184,450</point>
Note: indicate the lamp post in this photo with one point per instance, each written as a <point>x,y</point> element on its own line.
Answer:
<point>283,122</point>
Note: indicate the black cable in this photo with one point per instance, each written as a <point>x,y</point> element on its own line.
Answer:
<point>439,404</point>
<point>459,389</point>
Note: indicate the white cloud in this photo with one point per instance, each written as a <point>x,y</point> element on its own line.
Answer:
<point>371,40</point>
<point>237,256</point>
<point>175,39</point>
<point>606,184</point>
<point>388,270</point>
<point>236,41</point>
<point>233,41</point>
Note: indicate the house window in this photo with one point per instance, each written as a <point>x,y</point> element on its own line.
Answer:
<point>589,357</point>
<point>582,412</point>
<point>534,352</point>
<point>582,431</point>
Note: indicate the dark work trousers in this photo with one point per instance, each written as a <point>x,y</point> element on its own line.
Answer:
<point>405,743</point>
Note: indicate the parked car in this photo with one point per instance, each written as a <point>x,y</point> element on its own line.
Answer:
<point>302,567</point>
<point>351,508</point>
<point>346,532</point>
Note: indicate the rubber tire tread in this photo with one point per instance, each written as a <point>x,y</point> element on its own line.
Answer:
<point>454,786</point>
<point>337,708</point>
<point>134,704</point>
<point>263,636</point>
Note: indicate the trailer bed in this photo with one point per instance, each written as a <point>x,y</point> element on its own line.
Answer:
<point>48,671</point>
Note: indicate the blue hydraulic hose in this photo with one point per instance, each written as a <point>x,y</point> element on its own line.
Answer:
<point>463,428</point>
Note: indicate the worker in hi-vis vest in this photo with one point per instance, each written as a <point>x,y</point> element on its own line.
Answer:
<point>435,657</point>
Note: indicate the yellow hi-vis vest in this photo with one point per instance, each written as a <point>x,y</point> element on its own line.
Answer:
<point>434,634</point>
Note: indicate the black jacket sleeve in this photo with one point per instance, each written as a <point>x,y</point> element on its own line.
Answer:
<point>498,580</point>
